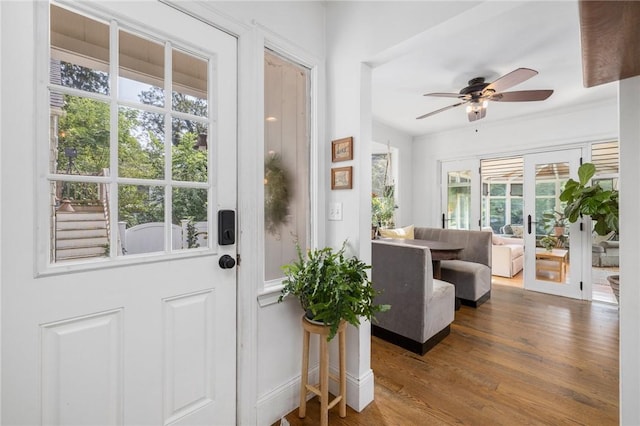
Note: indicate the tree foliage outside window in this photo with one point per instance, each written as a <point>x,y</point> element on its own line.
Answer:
<point>84,127</point>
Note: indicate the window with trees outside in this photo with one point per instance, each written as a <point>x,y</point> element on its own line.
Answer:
<point>128,154</point>
<point>287,197</point>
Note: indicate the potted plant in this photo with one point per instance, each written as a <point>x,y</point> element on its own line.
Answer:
<point>548,242</point>
<point>594,201</point>
<point>331,287</point>
<point>555,221</point>
<point>382,210</point>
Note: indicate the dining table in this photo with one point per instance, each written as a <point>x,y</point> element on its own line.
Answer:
<point>440,250</point>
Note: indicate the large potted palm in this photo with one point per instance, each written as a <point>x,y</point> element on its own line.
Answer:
<point>596,202</point>
<point>331,287</point>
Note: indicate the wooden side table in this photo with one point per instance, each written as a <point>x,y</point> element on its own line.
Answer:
<point>322,389</point>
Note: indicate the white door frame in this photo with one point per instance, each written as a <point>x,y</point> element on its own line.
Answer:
<point>574,288</point>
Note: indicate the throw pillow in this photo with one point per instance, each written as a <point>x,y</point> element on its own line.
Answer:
<point>496,241</point>
<point>518,231</point>
<point>405,233</point>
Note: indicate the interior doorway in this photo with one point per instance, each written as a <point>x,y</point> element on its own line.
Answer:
<point>502,202</point>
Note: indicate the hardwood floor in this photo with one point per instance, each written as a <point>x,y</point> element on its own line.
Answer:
<point>522,358</point>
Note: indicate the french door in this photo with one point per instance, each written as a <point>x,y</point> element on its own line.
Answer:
<point>460,197</point>
<point>144,339</point>
<point>557,268</point>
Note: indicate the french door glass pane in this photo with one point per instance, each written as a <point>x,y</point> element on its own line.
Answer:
<point>459,199</point>
<point>552,256</point>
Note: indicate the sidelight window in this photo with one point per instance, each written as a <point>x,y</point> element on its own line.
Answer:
<point>286,162</point>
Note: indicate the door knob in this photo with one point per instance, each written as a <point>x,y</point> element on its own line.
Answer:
<point>226,261</point>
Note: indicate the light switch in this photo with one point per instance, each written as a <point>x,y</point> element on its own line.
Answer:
<point>335,211</point>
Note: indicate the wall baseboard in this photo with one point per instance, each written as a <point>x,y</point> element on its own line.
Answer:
<point>282,400</point>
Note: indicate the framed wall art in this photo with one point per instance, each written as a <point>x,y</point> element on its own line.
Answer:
<point>342,149</point>
<point>342,178</point>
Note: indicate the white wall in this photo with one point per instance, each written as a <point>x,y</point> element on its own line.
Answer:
<point>629,123</point>
<point>269,333</point>
<point>548,131</point>
<point>402,168</point>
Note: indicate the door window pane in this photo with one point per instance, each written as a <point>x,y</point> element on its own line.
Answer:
<point>552,259</point>
<point>459,199</point>
<point>140,148</point>
<point>190,94</point>
<point>141,70</point>
<point>190,213</point>
<point>82,127</point>
<point>141,217</point>
<point>79,220</point>
<point>79,51</point>
<point>189,150</point>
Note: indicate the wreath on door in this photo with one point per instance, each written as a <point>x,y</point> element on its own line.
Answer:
<point>276,193</point>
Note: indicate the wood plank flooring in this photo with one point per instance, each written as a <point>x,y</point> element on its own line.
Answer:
<point>522,358</point>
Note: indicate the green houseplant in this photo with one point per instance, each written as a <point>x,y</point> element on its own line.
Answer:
<point>331,287</point>
<point>594,201</point>
<point>548,242</point>
<point>554,221</point>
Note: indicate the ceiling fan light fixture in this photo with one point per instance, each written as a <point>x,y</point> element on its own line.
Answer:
<point>478,93</point>
<point>476,106</point>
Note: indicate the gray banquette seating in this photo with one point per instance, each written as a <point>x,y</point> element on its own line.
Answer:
<point>422,308</point>
<point>471,272</point>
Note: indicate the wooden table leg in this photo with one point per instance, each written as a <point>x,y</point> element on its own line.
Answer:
<point>437,273</point>
<point>324,382</point>
<point>343,376</point>
<point>302,412</point>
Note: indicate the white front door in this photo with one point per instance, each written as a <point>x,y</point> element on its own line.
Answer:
<point>556,269</point>
<point>460,199</point>
<point>144,339</point>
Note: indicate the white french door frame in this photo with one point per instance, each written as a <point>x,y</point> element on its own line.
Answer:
<point>579,240</point>
<point>473,166</point>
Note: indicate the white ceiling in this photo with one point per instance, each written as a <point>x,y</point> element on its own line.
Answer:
<point>487,40</point>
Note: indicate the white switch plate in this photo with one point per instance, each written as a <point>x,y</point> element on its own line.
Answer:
<point>335,211</point>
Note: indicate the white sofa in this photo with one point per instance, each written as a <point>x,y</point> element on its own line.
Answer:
<point>507,255</point>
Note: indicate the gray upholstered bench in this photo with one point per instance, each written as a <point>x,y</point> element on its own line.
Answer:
<point>422,308</point>
<point>471,273</point>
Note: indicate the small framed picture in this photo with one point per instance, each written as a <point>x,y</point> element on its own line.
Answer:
<point>342,149</point>
<point>341,178</point>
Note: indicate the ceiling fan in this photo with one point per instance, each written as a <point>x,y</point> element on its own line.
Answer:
<point>477,94</point>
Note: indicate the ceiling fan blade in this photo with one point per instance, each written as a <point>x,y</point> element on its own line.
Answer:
<point>476,114</point>
<point>447,95</point>
<point>440,110</point>
<point>521,96</point>
<point>511,79</point>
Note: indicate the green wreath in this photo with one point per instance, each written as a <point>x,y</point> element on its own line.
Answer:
<point>276,194</point>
